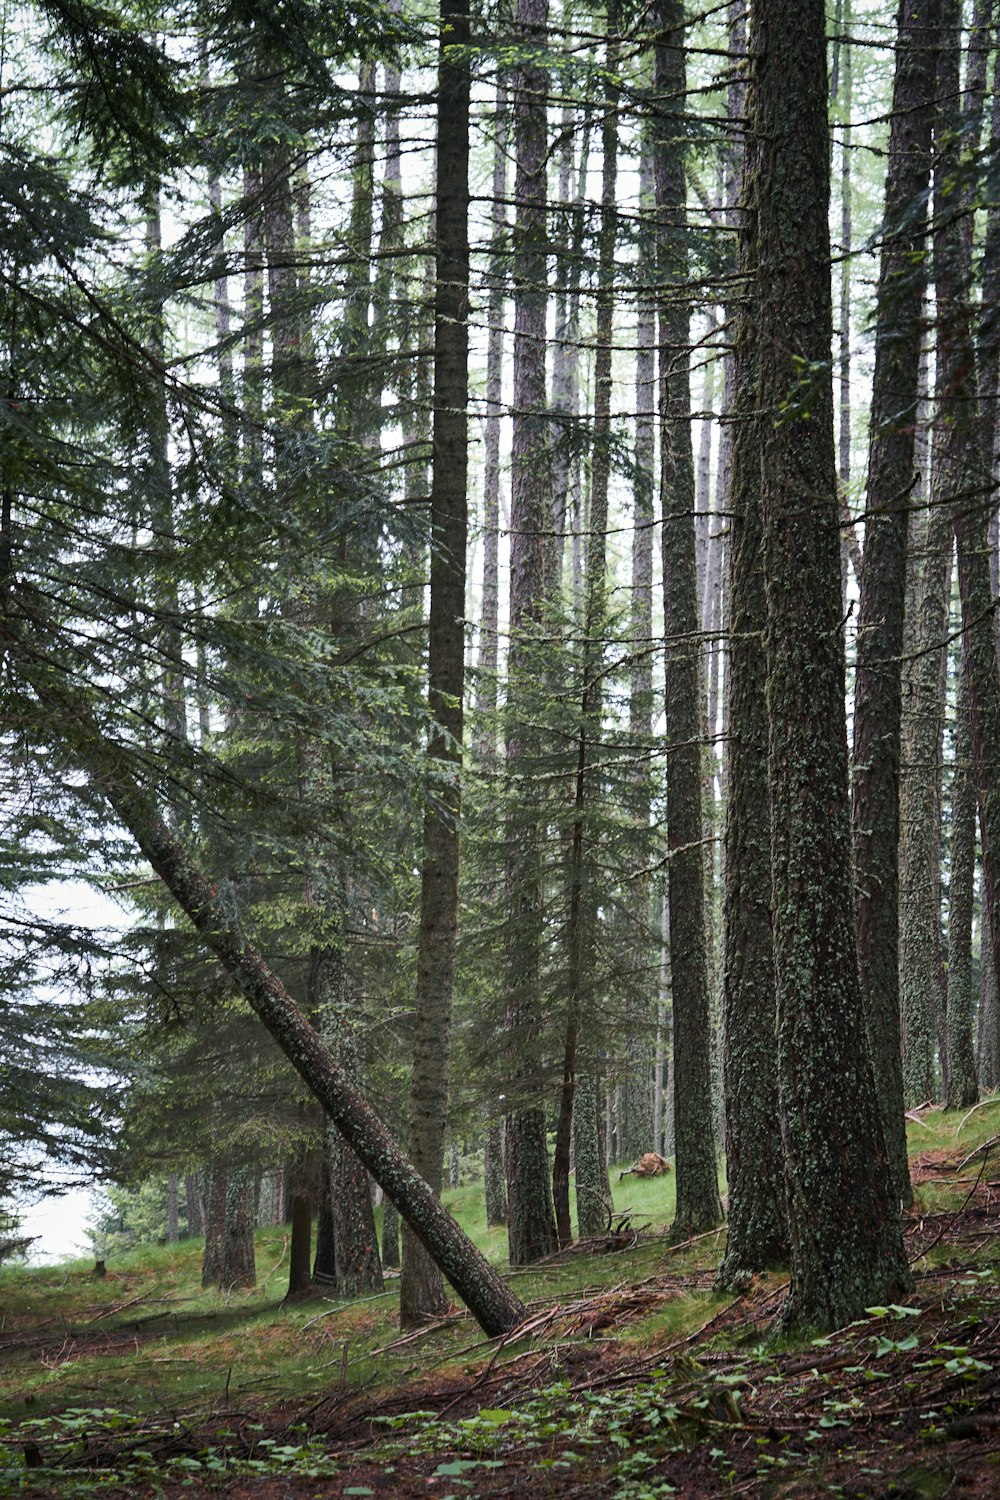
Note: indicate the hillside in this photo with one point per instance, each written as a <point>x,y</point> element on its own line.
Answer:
<point>633,1378</point>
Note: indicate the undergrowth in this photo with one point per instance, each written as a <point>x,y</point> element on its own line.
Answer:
<point>133,1379</point>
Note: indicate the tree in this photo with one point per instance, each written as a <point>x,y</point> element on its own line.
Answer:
<point>421,1293</point>
<point>846,1247</point>
<point>531,1224</point>
<point>698,1205</point>
<point>878,690</point>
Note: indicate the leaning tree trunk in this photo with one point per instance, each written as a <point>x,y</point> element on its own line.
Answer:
<point>422,1292</point>
<point>106,765</point>
<point>531,1223</point>
<point>698,1205</point>
<point>891,477</point>
<point>846,1245</point>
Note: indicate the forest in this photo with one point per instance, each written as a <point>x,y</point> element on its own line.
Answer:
<point>500,698</point>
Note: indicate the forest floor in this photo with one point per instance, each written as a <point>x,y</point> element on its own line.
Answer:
<point>633,1379</point>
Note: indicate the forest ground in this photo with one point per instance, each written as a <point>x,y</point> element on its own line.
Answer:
<point>634,1379</point>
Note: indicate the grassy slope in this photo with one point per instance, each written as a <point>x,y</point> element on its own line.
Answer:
<point>148,1338</point>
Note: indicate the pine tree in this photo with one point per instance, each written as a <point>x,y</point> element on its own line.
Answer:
<point>698,1205</point>
<point>846,1248</point>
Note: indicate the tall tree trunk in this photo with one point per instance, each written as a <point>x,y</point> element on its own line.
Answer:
<point>583,904</point>
<point>698,1205</point>
<point>891,476</point>
<point>963,461</point>
<point>920,991</point>
<point>494,1180</point>
<point>422,1292</point>
<point>531,1223</point>
<point>758,1225</point>
<point>847,1249</point>
<point>637,1088</point>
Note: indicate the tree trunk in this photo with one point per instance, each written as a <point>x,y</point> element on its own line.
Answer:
<point>698,1205</point>
<point>531,1224</point>
<point>637,1087</point>
<point>490,1301</point>
<point>422,1292</point>
<point>300,1270</point>
<point>847,1250</point>
<point>919,917</point>
<point>494,1179</point>
<point>758,1224</point>
<point>194,1207</point>
<point>390,1235</point>
<point>962,1090</point>
<point>486,686</point>
<point>215,1228</point>
<point>173,1228</point>
<point>236,1265</point>
<point>988,1023</point>
<point>584,914</point>
<point>891,476</point>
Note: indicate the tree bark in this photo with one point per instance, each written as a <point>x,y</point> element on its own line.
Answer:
<point>758,1223</point>
<point>531,1223</point>
<point>236,1266</point>
<point>422,1292</point>
<point>637,1087</point>
<point>962,1089</point>
<point>846,1245</point>
<point>698,1204</point>
<point>902,289</point>
<point>583,904</point>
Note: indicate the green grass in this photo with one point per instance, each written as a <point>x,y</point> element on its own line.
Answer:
<point>148,1338</point>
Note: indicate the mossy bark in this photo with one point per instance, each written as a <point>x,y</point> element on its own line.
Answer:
<point>347,1255</point>
<point>591,1172</point>
<point>494,1179</point>
<point>988,1020</point>
<point>758,1224</point>
<point>902,288</point>
<point>236,1262</point>
<point>846,1245</point>
<point>698,1204</point>
<point>921,995</point>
